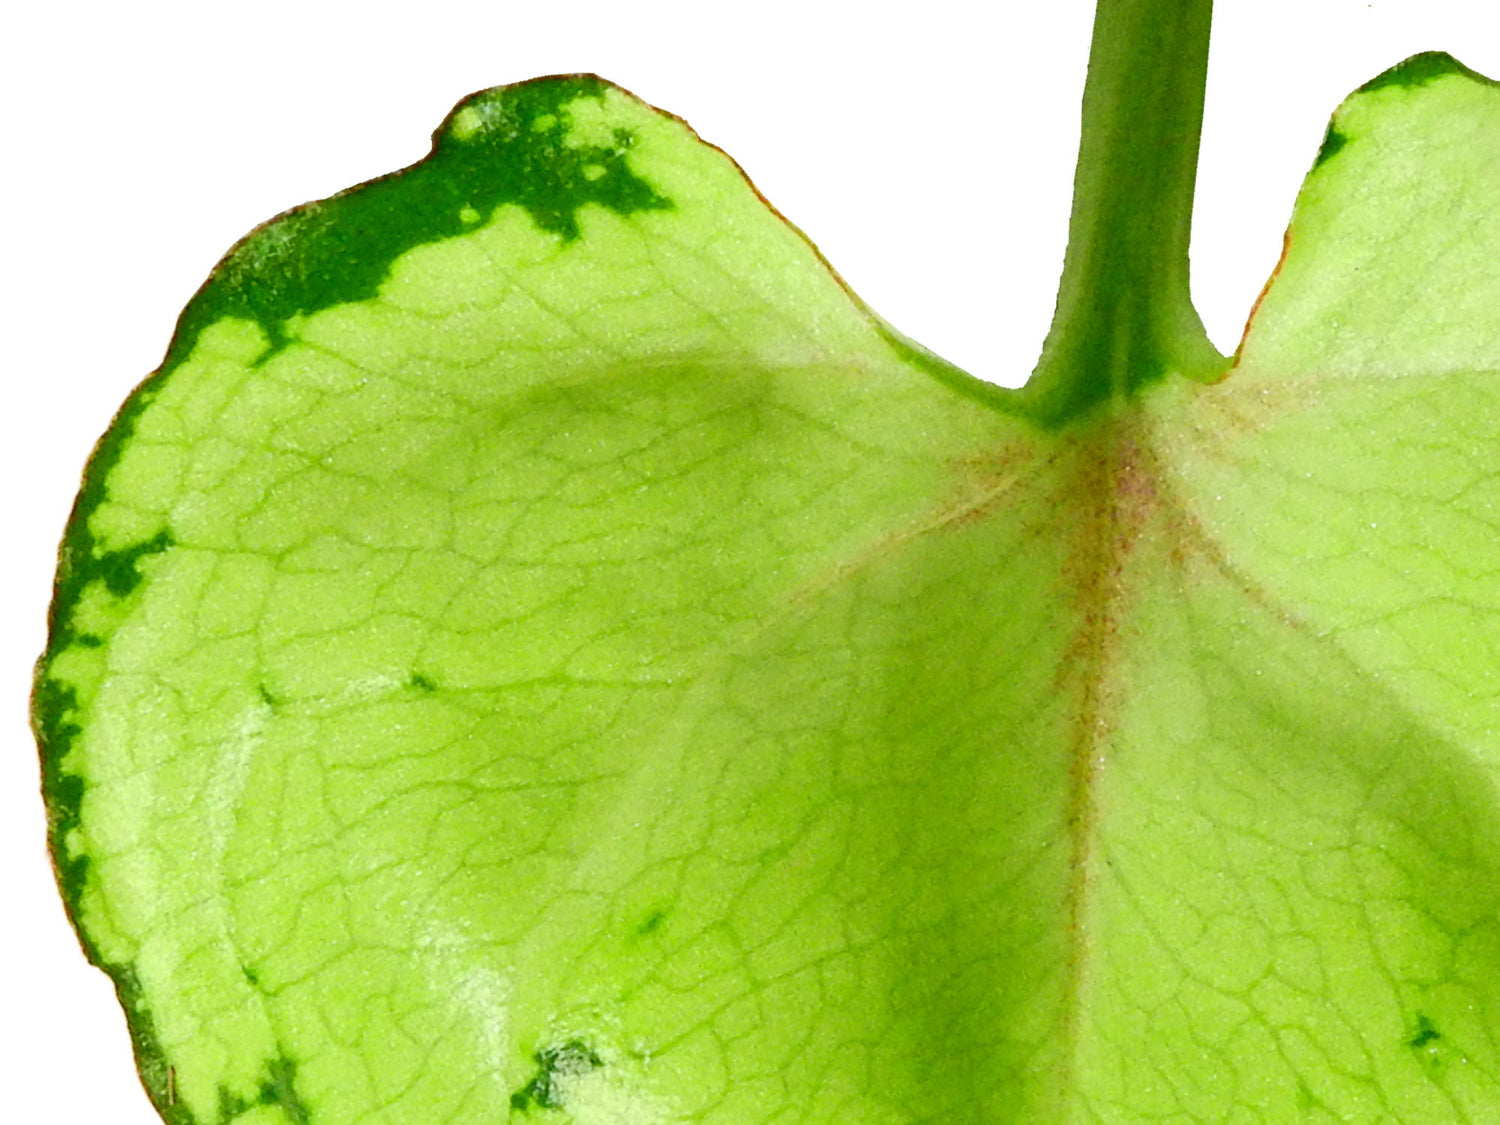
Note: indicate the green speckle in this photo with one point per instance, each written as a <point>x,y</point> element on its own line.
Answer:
<point>1426,1034</point>
<point>651,923</point>
<point>1333,141</point>
<point>553,1066</point>
<point>468,215</point>
<point>421,682</point>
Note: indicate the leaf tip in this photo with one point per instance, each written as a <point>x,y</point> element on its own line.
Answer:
<point>1419,70</point>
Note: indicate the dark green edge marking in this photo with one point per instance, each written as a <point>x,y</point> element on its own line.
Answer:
<point>151,1061</point>
<point>1412,73</point>
<point>277,1088</point>
<point>342,251</point>
<point>1421,69</point>
<point>1416,71</point>
<point>1333,141</point>
<point>339,250</point>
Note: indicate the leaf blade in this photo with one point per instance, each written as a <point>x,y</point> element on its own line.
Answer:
<point>330,483</point>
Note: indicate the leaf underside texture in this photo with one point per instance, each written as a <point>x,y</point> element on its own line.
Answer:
<point>541,650</point>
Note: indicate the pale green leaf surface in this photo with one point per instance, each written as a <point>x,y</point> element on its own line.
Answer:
<point>1348,464</point>
<point>614,679</point>
<point>1342,482</point>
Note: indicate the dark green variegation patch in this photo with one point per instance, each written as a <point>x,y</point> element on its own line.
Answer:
<point>1419,70</point>
<point>1333,143</point>
<point>513,146</point>
<point>555,1067</point>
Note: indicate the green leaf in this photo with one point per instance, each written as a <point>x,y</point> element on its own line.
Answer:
<point>541,650</point>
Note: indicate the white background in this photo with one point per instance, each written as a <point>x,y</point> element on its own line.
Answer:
<point>928,153</point>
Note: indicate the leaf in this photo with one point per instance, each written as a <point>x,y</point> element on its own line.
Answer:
<point>540,647</point>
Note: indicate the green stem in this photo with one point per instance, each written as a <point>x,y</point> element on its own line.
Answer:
<point>1124,314</point>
